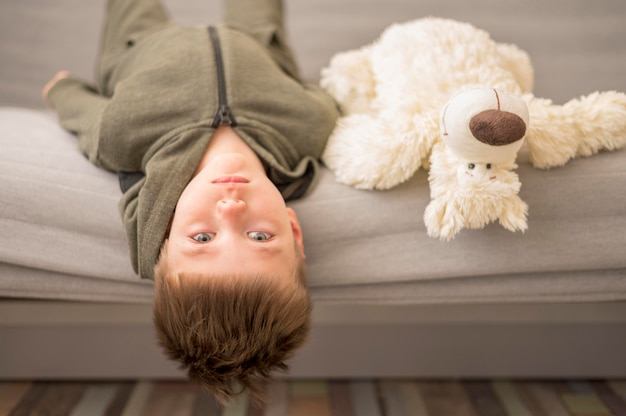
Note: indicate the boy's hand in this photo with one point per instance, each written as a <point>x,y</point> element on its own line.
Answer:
<point>57,77</point>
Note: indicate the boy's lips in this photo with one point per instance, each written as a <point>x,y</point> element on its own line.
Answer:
<point>230,179</point>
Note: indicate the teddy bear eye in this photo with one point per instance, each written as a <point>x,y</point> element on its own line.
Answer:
<point>471,166</point>
<point>488,165</point>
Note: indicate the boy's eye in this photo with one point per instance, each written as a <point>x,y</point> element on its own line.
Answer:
<point>203,237</point>
<point>259,236</point>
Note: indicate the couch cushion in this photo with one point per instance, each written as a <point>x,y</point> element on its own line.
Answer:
<point>62,237</point>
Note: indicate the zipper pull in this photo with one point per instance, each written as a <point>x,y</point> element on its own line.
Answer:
<point>223,116</point>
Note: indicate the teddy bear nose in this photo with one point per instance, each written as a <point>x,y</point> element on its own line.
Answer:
<point>497,128</point>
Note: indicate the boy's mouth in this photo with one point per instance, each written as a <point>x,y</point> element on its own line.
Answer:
<point>230,179</point>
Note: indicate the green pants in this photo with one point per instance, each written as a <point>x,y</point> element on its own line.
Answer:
<point>127,21</point>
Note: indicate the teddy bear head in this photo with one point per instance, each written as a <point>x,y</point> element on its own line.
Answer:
<point>484,125</point>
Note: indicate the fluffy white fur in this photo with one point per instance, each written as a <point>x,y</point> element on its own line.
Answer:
<point>392,93</point>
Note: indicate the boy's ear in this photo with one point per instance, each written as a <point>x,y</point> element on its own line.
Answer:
<point>297,230</point>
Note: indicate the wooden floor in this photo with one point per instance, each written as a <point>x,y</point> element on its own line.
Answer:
<point>322,398</point>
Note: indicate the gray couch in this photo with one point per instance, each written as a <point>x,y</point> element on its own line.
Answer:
<point>389,301</point>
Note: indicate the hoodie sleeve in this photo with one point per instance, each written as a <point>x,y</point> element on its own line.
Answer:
<point>80,109</point>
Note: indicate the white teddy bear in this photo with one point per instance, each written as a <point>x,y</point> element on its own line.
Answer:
<point>442,95</point>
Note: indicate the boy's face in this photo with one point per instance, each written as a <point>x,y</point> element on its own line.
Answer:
<point>232,219</point>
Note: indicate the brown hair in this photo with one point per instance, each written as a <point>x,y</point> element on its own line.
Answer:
<point>230,332</point>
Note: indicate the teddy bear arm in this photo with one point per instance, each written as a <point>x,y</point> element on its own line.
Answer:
<point>442,219</point>
<point>580,127</point>
<point>551,135</point>
<point>349,79</point>
<point>514,214</point>
<point>600,121</point>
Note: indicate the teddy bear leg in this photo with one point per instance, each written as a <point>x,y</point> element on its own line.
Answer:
<point>581,127</point>
<point>601,121</point>
<point>551,136</point>
<point>349,79</point>
<point>443,217</point>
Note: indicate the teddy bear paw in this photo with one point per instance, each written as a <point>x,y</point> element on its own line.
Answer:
<point>442,220</point>
<point>349,79</point>
<point>361,153</point>
<point>514,214</point>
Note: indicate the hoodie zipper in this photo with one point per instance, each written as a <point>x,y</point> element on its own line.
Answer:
<point>224,115</point>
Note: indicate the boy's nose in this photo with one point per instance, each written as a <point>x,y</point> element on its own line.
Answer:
<point>230,206</point>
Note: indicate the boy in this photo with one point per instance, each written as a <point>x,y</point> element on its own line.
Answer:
<point>210,130</point>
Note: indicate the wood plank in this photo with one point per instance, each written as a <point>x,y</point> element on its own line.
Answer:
<point>277,399</point>
<point>50,398</point>
<point>547,399</point>
<point>365,398</point>
<point>309,398</point>
<point>391,399</point>
<point>413,400</point>
<point>340,398</point>
<point>95,400</point>
<point>138,398</point>
<point>122,394</point>
<point>11,394</point>
<point>580,404</point>
<point>205,405</point>
<point>510,400</point>
<point>485,401</point>
<point>238,406</point>
<point>616,404</point>
<point>446,398</point>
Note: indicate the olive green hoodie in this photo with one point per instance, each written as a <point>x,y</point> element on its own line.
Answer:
<point>163,106</point>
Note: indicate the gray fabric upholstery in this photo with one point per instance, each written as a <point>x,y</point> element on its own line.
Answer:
<point>61,236</point>
<point>63,239</point>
